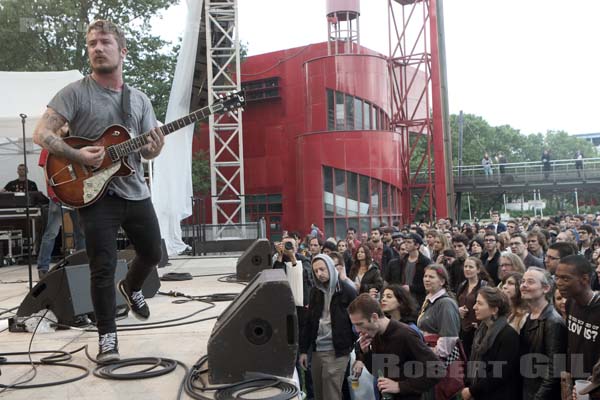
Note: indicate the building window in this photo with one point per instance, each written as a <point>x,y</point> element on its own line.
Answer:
<point>346,112</point>
<point>330,110</point>
<point>358,201</point>
<point>339,111</point>
<point>358,113</point>
<point>260,205</point>
<point>262,89</point>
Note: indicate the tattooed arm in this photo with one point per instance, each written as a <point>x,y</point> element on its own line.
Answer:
<point>46,134</point>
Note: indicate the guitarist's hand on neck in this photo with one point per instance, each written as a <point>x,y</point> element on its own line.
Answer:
<point>156,141</point>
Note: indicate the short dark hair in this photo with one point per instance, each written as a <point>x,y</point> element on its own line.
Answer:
<point>460,238</point>
<point>108,27</point>
<point>351,228</point>
<point>564,248</point>
<point>338,256</point>
<point>519,235</point>
<point>491,233</point>
<point>366,306</point>
<point>318,240</point>
<point>496,298</point>
<point>581,264</point>
<point>330,245</point>
<point>587,228</point>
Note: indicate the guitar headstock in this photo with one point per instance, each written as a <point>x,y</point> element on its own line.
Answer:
<point>230,101</point>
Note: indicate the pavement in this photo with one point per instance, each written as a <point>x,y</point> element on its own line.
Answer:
<point>185,343</point>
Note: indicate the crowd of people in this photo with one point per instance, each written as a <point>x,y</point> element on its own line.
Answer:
<point>438,311</point>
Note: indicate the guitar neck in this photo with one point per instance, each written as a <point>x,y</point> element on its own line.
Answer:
<point>136,143</point>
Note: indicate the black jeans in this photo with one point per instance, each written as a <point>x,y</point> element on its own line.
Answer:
<point>101,222</point>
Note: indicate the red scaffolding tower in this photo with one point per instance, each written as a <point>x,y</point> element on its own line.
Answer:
<point>419,106</point>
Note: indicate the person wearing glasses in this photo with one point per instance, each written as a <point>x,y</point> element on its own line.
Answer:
<point>555,252</point>
<point>518,246</point>
<point>491,255</point>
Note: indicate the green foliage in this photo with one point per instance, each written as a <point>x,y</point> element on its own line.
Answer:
<point>479,137</point>
<point>49,35</point>
<point>201,172</point>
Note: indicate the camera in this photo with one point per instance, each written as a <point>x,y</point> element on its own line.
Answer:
<point>289,246</point>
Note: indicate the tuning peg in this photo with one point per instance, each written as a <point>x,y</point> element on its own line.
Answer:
<point>220,95</point>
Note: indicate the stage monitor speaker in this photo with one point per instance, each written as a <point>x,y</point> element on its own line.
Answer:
<point>257,333</point>
<point>256,258</point>
<point>151,284</point>
<point>66,292</point>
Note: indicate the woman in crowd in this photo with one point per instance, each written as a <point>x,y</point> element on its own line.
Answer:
<point>560,303</point>
<point>342,248</point>
<point>518,309</point>
<point>476,278</point>
<point>439,319</point>
<point>510,262</point>
<point>364,273</point>
<point>496,345</point>
<point>440,243</point>
<point>399,305</point>
<point>475,247</point>
<point>504,241</point>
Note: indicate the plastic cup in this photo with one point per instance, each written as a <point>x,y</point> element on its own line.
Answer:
<point>580,384</point>
<point>354,382</point>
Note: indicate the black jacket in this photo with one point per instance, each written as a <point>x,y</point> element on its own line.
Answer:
<point>492,265</point>
<point>341,327</point>
<point>371,279</point>
<point>395,274</point>
<point>306,274</point>
<point>504,350</point>
<point>545,336</point>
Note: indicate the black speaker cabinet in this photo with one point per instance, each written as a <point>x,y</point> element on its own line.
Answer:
<point>66,292</point>
<point>256,258</point>
<point>151,284</point>
<point>256,333</point>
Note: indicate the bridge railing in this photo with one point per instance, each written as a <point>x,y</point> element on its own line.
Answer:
<point>523,172</point>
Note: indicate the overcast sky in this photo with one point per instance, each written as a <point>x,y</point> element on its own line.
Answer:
<point>531,64</point>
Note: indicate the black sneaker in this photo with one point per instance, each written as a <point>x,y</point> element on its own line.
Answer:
<point>108,348</point>
<point>135,301</point>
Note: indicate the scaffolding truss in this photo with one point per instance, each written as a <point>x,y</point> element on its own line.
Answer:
<point>225,130</point>
<point>414,67</point>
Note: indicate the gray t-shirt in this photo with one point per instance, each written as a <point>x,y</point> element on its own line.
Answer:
<point>90,109</point>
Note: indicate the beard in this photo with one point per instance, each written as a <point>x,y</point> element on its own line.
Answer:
<point>105,69</point>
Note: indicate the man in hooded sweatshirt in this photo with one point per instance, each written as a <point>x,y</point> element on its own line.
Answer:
<point>327,329</point>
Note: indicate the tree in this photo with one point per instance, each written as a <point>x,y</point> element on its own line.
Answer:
<point>201,172</point>
<point>49,35</point>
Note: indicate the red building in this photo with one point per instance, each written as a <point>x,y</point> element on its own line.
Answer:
<point>317,141</point>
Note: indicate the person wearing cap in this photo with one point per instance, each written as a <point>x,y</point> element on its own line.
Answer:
<point>327,329</point>
<point>573,279</point>
<point>408,271</point>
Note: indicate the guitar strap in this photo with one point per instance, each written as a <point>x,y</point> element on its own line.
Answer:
<point>126,106</point>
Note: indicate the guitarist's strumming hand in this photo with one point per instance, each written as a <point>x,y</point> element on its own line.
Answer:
<point>156,141</point>
<point>92,155</point>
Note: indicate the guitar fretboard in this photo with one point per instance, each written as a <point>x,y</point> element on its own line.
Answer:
<point>132,145</point>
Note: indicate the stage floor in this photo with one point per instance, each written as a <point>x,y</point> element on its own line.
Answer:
<point>185,343</point>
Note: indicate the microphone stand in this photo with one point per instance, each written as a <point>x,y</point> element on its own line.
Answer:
<point>28,222</point>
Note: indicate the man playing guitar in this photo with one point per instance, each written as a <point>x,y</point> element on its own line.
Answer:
<point>89,105</point>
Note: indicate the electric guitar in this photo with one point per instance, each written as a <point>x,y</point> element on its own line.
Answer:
<point>77,185</point>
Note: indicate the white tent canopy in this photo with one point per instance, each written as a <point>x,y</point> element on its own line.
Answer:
<point>25,93</point>
<point>28,93</point>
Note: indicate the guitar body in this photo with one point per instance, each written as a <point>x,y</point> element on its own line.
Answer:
<point>79,185</point>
